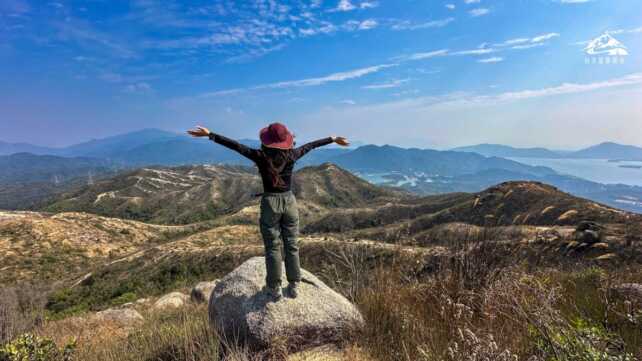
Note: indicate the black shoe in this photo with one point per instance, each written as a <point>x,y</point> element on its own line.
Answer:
<point>274,293</point>
<point>293,289</point>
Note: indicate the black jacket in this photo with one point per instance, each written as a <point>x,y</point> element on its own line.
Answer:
<point>261,156</point>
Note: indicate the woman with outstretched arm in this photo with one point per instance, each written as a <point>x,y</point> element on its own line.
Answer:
<point>279,219</point>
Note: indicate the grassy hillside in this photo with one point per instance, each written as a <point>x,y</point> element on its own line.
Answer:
<point>512,203</point>
<point>182,195</point>
<point>496,272</point>
<point>39,246</point>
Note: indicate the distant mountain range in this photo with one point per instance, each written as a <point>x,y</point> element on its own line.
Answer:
<point>12,148</point>
<point>27,167</point>
<point>383,159</point>
<point>155,146</point>
<point>607,150</point>
<point>422,171</point>
<point>505,151</point>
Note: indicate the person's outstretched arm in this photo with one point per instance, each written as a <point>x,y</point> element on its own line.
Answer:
<point>302,150</point>
<point>245,151</point>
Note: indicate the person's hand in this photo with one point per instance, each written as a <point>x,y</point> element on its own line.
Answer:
<point>341,141</point>
<point>199,132</point>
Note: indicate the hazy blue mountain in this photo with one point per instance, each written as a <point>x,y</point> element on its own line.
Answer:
<point>321,155</point>
<point>619,196</point>
<point>27,168</point>
<point>12,148</point>
<point>180,151</point>
<point>610,150</point>
<point>504,151</point>
<point>382,159</point>
<point>607,150</point>
<point>108,147</point>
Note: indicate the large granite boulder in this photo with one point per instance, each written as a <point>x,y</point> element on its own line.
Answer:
<point>241,310</point>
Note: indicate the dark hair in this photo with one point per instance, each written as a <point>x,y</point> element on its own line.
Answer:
<point>276,160</point>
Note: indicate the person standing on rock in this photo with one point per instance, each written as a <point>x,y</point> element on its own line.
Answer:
<point>279,218</point>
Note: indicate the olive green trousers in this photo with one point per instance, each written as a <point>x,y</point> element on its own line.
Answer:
<point>279,223</point>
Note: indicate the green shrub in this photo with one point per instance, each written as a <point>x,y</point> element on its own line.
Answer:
<point>29,347</point>
<point>582,341</point>
<point>124,298</point>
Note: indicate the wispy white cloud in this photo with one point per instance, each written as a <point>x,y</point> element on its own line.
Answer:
<point>540,38</point>
<point>527,46</point>
<point>479,12</point>
<point>527,43</point>
<point>368,24</point>
<point>335,77</point>
<point>368,4</point>
<point>472,1</point>
<point>515,41</point>
<point>571,88</point>
<point>256,29</point>
<point>391,84</point>
<point>345,5</point>
<point>408,25</point>
<point>83,34</point>
<point>485,49</point>
<point>625,31</point>
<point>464,99</point>
<point>322,28</point>
<point>348,102</point>
<point>424,55</point>
<point>444,52</point>
<point>494,59</point>
<point>481,51</point>
<point>450,6</point>
<point>254,53</point>
<point>138,88</point>
<point>348,5</point>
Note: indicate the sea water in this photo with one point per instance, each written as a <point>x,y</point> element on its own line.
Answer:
<point>597,170</point>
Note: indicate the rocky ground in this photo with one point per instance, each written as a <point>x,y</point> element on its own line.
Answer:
<point>109,281</point>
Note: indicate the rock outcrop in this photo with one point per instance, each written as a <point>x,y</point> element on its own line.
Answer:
<point>589,233</point>
<point>122,317</point>
<point>202,291</point>
<point>173,299</point>
<point>240,309</point>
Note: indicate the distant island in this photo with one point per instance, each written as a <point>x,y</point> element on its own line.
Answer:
<point>630,166</point>
<point>608,150</point>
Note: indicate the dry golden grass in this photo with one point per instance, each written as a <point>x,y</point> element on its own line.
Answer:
<point>480,300</point>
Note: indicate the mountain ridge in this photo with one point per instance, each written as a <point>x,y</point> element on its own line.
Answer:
<point>604,150</point>
<point>117,146</point>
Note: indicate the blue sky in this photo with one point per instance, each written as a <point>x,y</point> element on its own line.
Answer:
<point>408,72</point>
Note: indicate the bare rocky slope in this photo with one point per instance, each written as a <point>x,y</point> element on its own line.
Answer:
<point>182,195</point>
<point>41,246</point>
<point>84,259</point>
<point>511,203</point>
<point>87,229</point>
